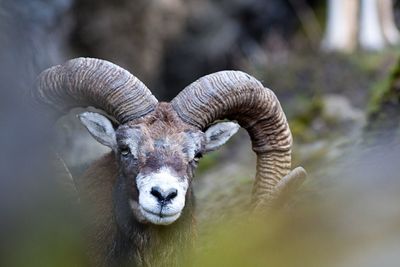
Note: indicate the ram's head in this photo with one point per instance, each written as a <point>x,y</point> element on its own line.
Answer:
<point>157,145</point>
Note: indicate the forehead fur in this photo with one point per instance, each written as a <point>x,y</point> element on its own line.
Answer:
<point>162,132</point>
<point>163,122</point>
<point>165,140</point>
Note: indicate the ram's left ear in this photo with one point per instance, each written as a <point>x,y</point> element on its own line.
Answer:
<point>218,134</point>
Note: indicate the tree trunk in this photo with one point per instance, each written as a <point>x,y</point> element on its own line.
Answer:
<point>389,28</point>
<point>371,34</point>
<point>372,20</point>
<point>341,31</point>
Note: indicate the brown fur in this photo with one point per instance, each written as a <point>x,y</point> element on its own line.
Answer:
<point>111,244</point>
<point>163,125</point>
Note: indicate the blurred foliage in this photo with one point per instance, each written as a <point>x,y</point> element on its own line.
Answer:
<point>347,219</point>
<point>300,124</point>
<point>208,161</point>
<point>385,90</point>
<point>384,111</point>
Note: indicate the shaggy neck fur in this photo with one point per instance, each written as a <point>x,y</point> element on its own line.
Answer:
<point>116,238</point>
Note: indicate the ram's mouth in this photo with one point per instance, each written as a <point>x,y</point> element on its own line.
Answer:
<point>145,215</point>
<point>161,217</point>
<point>161,213</point>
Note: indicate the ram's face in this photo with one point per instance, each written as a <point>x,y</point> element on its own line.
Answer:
<point>158,166</point>
<point>157,161</point>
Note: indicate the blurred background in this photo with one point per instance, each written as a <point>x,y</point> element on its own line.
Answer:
<point>334,65</point>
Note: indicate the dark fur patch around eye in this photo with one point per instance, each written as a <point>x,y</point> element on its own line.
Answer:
<point>157,160</point>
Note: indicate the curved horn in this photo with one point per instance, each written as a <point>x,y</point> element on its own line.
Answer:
<point>238,96</point>
<point>97,83</point>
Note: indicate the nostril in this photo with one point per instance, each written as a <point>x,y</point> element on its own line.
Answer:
<point>156,191</point>
<point>163,196</point>
<point>171,194</point>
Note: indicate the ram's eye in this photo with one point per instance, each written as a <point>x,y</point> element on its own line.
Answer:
<point>125,151</point>
<point>197,157</point>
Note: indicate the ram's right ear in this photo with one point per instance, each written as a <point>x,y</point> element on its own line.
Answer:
<point>100,128</point>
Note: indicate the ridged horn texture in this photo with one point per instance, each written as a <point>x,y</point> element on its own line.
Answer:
<point>83,82</point>
<point>238,96</point>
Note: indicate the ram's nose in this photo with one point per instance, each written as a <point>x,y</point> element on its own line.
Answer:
<point>163,196</point>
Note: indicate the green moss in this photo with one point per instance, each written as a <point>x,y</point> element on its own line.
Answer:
<point>368,62</point>
<point>383,91</point>
<point>378,92</point>
<point>301,122</point>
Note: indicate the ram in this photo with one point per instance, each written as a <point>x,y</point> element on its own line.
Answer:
<point>141,192</point>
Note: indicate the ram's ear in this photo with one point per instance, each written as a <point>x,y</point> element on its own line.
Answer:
<point>218,134</point>
<point>100,128</point>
